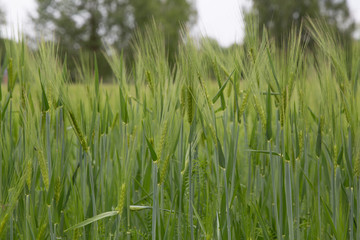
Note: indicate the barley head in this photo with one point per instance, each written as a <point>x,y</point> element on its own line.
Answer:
<point>28,172</point>
<point>57,189</point>
<point>164,168</point>
<point>42,231</point>
<point>3,222</point>
<point>43,167</point>
<point>189,104</point>
<point>121,199</point>
<point>162,140</point>
<point>150,81</point>
<point>335,155</point>
<point>260,111</point>
<point>183,100</point>
<point>244,103</point>
<point>78,131</point>
<point>301,142</point>
<point>203,86</point>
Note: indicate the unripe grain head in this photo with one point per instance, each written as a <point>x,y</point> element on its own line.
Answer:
<point>43,167</point>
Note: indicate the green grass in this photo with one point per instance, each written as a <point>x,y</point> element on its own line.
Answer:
<point>256,143</point>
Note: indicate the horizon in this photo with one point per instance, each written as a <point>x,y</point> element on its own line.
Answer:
<point>219,20</point>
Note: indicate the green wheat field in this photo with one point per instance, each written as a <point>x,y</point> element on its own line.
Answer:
<point>253,143</point>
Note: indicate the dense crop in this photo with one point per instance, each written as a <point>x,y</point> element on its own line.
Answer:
<point>256,143</point>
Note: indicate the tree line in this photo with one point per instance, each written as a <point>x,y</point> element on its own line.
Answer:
<point>88,26</point>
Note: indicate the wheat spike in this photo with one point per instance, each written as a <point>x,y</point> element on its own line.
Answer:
<point>43,167</point>
<point>101,228</point>
<point>41,231</point>
<point>78,132</point>
<point>346,110</point>
<point>150,81</point>
<point>261,112</point>
<point>301,143</point>
<point>301,101</point>
<point>213,133</point>
<point>11,77</point>
<point>57,189</point>
<point>183,100</point>
<point>283,107</point>
<point>28,172</point>
<point>357,164</point>
<point>244,102</point>
<point>3,222</point>
<point>203,86</point>
<point>121,199</point>
<point>190,109</point>
<point>162,140</point>
<point>164,167</point>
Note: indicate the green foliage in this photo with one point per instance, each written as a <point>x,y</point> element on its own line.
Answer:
<point>269,147</point>
<point>87,24</point>
<point>2,17</point>
<point>280,16</point>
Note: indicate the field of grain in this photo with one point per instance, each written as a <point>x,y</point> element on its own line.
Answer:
<point>256,143</point>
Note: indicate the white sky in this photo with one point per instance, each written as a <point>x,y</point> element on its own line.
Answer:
<point>219,19</point>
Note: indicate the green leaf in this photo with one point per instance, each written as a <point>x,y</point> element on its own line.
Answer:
<point>221,155</point>
<point>199,220</point>
<point>192,131</point>
<point>50,190</point>
<point>45,104</point>
<point>11,76</point>
<point>22,56</point>
<point>313,114</point>
<point>261,221</point>
<point>93,219</point>
<point>268,115</point>
<point>340,155</point>
<point>151,148</point>
<point>220,92</point>
<point>217,74</point>
<point>139,207</point>
<point>318,141</point>
<point>288,197</point>
<point>123,107</point>
<point>7,100</point>
<point>272,68</point>
<point>115,120</point>
<point>263,151</point>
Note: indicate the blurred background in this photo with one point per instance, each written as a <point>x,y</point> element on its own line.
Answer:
<point>90,26</point>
